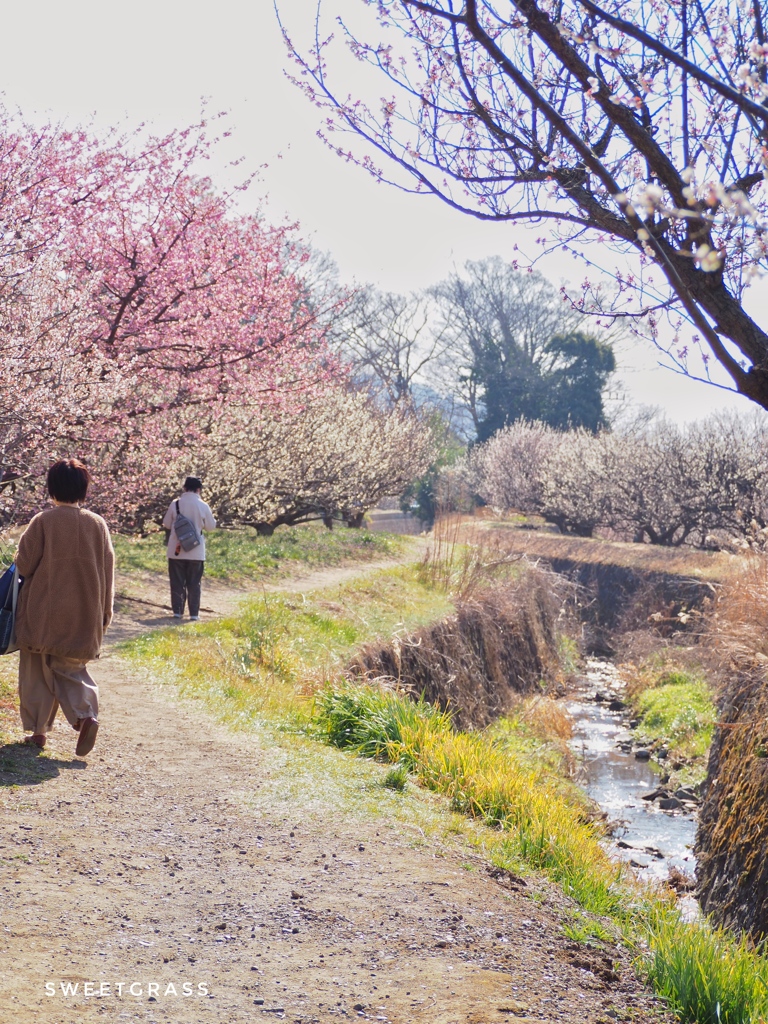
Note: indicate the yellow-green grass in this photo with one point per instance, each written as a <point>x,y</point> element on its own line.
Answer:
<point>706,975</point>
<point>267,660</point>
<point>241,554</point>
<point>587,930</point>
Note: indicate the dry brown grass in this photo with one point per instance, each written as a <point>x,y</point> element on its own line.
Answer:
<point>547,718</point>
<point>537,730</point>
<point>705,565</point>
<point>500,643</point>
<point>731,843</point>
<point>632,598</point>
<point>463,557</point>
<point>738,628</point>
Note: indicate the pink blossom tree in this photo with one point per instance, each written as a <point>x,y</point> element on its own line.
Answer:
<point>133,293</point>
<point>642,134</point>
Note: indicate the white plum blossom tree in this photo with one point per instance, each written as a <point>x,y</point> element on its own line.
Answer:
<point>508,469</point>
<point>331,458</point>
<point>655,482</point>
<point>622,131</point>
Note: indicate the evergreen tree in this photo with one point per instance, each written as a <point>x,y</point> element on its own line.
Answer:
<point>522,352</point>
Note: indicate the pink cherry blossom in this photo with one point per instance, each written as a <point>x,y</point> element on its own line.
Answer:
<point>136,304</point>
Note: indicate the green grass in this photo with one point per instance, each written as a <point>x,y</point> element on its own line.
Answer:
<point>241,554</point>
<point>679,713</point>
<point>373,723</point>
<point>588,931</point>
<point>267,660</point>
<point>707,975</point>
<point>676,711</point>
<point>396,778</point>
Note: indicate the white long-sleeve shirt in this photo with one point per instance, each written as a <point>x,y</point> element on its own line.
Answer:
<point>195,509</point>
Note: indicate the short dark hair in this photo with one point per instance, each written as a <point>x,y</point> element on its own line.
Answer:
<point>193,483</point>
<point>68,481</point>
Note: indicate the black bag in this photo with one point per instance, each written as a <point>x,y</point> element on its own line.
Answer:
<point>10,582</point>
<point>185,530</point>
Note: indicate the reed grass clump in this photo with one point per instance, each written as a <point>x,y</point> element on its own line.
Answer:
<point>463,558</point>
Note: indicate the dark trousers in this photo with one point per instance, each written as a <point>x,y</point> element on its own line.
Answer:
<point>186,575</point>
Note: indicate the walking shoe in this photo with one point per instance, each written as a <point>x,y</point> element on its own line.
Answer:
<point>194,618</point>
<point>87,727</point>
<point>176,615</point>
<point>38,740</point>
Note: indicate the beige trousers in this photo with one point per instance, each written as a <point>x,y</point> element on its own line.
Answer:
<point>47,681</point>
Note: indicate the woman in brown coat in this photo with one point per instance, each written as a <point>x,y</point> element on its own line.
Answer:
<point>65,604</point>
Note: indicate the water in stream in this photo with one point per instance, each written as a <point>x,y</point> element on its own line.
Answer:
<point>651,839</point>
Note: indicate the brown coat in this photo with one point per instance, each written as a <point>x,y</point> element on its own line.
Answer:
<point>67,561</point>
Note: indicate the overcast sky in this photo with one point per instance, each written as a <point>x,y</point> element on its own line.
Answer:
<point>154,60</point>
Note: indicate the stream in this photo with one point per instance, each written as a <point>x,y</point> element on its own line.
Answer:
<point>651,839</point>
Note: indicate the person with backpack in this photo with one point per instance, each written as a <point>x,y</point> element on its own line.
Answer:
<point>186,518</point>
<point>66,558</point>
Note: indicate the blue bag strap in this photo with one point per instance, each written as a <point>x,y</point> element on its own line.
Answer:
<point>14,589</point>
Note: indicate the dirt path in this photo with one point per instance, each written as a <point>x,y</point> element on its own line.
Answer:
<point>142,600</point>
<point>165,862</point>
